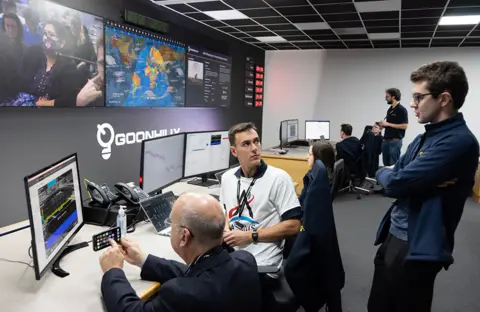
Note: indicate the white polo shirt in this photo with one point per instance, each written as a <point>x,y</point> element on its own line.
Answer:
<point>272,199</point>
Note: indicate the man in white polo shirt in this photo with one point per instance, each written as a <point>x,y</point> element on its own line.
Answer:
<point>261,206</point>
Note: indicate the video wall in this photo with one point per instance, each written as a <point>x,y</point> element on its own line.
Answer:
<point>54,56</point>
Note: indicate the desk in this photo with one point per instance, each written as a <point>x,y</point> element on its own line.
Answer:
<point>80,291</point>
<point>294,163</point>
<point>476,188</point>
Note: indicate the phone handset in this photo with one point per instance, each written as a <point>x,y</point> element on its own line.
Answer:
<point>100,194</point>
<point>131,192</point>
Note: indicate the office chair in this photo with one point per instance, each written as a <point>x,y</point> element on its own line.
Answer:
<point>356,173</point>
<point>338,178</point>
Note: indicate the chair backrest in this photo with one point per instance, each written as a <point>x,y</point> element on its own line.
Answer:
<point>338,177</point>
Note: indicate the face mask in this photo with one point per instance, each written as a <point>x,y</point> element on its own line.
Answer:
<point>50,44</point>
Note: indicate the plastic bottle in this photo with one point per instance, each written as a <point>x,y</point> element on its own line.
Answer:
<point>122,220</point>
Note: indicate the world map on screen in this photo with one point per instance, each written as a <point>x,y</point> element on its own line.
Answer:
<point>141,71</point>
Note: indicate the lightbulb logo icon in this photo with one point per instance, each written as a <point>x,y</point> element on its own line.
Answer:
<point>107,146</point>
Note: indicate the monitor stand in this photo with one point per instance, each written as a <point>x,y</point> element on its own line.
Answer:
<point>203,181</point>
<point>56,269</point>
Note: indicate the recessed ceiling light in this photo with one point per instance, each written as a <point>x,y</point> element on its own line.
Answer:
<point>312,26</point>
<point>460,20</point>
<point>383,36</point>
<point>378,6</point>
<point>270,39</point>
<point>224,15</point>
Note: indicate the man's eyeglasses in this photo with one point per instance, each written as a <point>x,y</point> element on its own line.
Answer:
<point>417,97</point>
<point>168,222</point>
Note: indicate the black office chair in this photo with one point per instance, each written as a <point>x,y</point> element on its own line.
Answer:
<point>338,178</point>
<point>356,173</point>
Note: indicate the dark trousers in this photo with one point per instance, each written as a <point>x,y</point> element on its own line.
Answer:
<point>400,286</point>
<point>391,152</point>
<point>276,294</point>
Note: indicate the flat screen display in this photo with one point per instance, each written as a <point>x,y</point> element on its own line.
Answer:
<point>143,69</point>
<point>315,129</point>
<point>209,78</point>
<point>206,152</point>
<point>33,31</point>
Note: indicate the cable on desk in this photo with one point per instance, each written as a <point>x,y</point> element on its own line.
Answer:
<point>30,251</point>
<point>20,262</point>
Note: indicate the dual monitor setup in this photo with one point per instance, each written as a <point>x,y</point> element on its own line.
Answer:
<point>54,199</point>
<point>314,130</point>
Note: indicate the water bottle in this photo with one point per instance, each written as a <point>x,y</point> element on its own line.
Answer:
<point>122,220</point>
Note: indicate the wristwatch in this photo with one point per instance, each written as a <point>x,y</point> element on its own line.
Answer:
<point>255,236</point>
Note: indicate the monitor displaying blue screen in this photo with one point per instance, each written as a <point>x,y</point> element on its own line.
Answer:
<point>143,69</point>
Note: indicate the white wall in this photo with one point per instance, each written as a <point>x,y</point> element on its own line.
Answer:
<point>349,86</point>
<point>292,84</point>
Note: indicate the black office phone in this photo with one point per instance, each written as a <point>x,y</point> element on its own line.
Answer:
<point>131,192</point>
<point>100,194</point>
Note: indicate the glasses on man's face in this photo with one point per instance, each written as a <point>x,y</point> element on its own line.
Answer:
<point>417,97</point>
<point>168,222</point>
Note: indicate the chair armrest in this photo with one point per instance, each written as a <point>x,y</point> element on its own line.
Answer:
<point>150,291</point>
<point>267,269</point>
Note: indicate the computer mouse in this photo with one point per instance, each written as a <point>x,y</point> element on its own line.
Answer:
<point>282,152</point>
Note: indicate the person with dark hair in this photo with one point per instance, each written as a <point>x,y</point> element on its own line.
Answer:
<point>323,151</point>
<point>372,142</point>
<point>92,94</point>
<point>52,78</point>
<point>431,183</point>
<point>261,207</point>
<point>395,124</point>
<point>10,6</point>
<point>349,149</point>
<point>12,27</point>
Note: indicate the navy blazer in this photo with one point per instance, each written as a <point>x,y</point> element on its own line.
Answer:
<point>314,269</point>
<point>446,151</point>
<point>221,282</point>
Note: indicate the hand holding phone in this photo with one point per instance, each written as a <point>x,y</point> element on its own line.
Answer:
<point>100,240</point>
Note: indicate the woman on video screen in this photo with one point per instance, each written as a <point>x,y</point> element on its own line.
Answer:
<point>13,29</point>
<point>52,77</point>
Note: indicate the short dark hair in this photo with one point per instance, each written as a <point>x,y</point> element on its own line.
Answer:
<point>395,93</point>
<point>347,129</point>
<point>322,150</point>
<point>14,17</point>
<point>442,77</point>
<point>238,128</point>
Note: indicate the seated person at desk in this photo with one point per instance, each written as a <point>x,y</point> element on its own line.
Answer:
<point>261,206</point>
<point>349,149</point>
<point>320,150</point>
<point>213,279</point>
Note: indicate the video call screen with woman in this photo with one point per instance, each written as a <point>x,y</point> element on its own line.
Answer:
<point>50,56</point>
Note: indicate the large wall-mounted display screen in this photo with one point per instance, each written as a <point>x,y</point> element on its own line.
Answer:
<point>50,55</point>
<point>209,78</point>
<point>143,69</point>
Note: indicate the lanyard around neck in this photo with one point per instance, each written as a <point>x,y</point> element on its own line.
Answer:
<point>242,199</point>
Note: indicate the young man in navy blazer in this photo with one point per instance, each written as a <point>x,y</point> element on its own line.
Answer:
<point>430,183</point>
<point>213,281</point>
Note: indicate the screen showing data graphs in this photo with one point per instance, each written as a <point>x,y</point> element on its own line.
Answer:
<point>206,152</point>
<point>162,161</point>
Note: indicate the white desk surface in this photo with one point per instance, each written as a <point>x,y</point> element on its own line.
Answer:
<point>80,291</point>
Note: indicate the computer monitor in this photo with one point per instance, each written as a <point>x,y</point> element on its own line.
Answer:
<point>315,129</point>
<point>288,131</point>
<point>161,162</point>
<point>206,152</point>
<point>54,205</point>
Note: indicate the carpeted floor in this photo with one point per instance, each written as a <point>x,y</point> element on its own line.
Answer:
<point>457,289</point>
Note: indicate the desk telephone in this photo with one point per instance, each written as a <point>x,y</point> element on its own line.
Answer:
<point>101,194</point>
<point>131,192</point>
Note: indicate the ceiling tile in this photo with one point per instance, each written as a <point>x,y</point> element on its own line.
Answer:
<point>246,4</point>
<point>312,26</point>
<point>210,6</point>
<point>378,6</point>
<point>240,22</point>
<point>320,32</point>
<point>446,42</point>
<point>251,28</point>
<point>416,41</point>
<point>466,28</point>
<point>468,39</point>
<point>422,13</point>
<point>281,44</point>
<point>386,44</point>
<point>364,44</point>
<point>182,8</point>
<point>463,11</point>
<point>336,8</point>
<point>424,4</point>
<point>264,46</point>
<point>354,37</point>
<point>419,21</point>
<point>308,46</point>
<point>380,23</point>
<point>281,27</point>
<point>271,20</point>
<point>249,39</point>
<point>340,17</point>
<point>305,19</point>
<point>228,29</point>
<point>297,38</point>
<point>471,44</point>
<point>315,2</point>
<point>215,23</point>
<point>261,34</point>
<point>332,45</point>
<point>417,28</point>
<point>289,32</point>
<point>350,31</point>
<point>379,15</point>
<point>347,24</point>
<point>455,3</point>
<point>299,10</point>
<point>279,3</point>
<point>260,13</point>
<point>415,45</point>
<point>420,34</point>
<point>324,37</point>
<point>199,16</point>
<point>451,33</point>
<point>382,30</point>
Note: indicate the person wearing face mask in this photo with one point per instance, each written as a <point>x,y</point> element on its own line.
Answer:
<point>395,124</point>
<point>323,151</point>
<point>430,183</point>
<point>211,280</point>
<point>50,77</point>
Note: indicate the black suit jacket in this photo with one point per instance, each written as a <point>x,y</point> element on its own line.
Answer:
<point>221,282</point>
